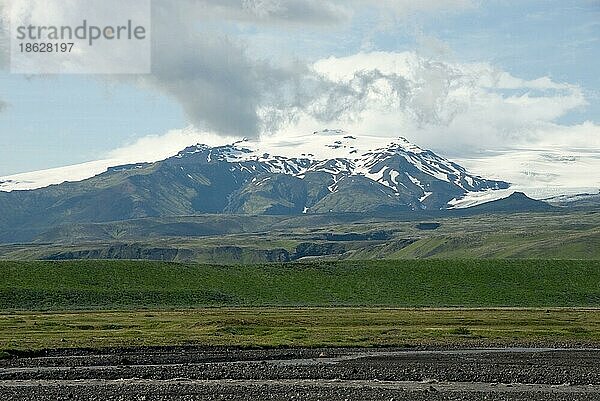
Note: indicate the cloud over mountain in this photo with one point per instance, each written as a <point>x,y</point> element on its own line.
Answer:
<point>204,61</point>
<point>453,105</point>
<point>225,88</point>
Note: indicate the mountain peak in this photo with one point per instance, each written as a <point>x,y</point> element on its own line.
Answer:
<point>398,167</point>
<point>515,202</point>
<point>404,145</point>
<point>190,150</point>
<point>328,131</point>
<point>407,174</point>
<point>329,173</point>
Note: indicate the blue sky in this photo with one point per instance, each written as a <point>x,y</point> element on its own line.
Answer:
<point>66,119</point>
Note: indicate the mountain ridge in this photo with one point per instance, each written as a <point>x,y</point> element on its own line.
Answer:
<point>243,178</point>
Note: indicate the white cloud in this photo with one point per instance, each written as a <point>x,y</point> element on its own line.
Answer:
<point>158,147</point>
<point>499,125</point>
<point>104,57</point>
<point>314,12</point>
<point>216,79</point>
<point>457,107</point>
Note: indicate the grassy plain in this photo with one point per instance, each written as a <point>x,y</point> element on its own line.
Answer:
<point>295,327</point>
<point>345,303</point>
<point>109,285</point>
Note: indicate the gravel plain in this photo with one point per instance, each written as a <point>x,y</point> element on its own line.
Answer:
<point>192,373</point>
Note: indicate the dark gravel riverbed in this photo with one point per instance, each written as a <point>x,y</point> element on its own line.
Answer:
<point>303,374</point>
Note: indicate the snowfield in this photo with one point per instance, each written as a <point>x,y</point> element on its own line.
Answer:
<point>539,174</point>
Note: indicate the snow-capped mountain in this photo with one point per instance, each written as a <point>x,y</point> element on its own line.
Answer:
<point>404,174</point>
<point>327,171</point>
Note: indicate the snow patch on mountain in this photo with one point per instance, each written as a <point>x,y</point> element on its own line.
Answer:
<point>334,152</point>
<point>44,178</point>
<point>549,194</point>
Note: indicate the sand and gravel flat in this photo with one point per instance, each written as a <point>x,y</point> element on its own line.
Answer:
<point>189,373</point>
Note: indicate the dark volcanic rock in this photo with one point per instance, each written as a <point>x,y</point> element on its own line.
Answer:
<point>306,374</point>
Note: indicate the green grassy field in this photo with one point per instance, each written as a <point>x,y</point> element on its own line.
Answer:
<point>102,285</point>
<point>295,327</point>
<point>370,303</point>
